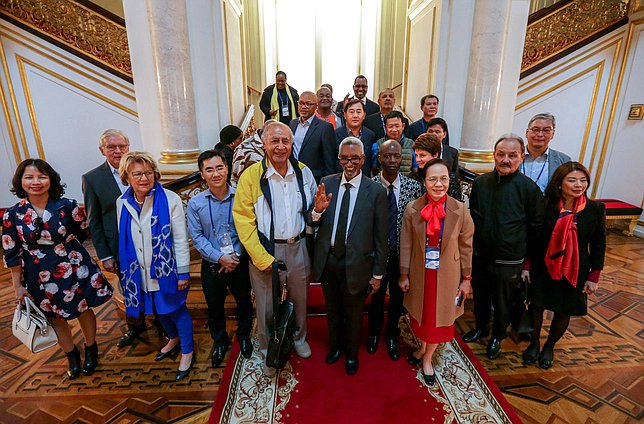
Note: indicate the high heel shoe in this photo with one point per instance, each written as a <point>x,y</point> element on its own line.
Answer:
<point>74,359</point>
<point>182,374</point>
<point>546,358</point>
<point>429,379</point>
<point>172,353</point>
<point>531,354</point>
<point>91,359</point>
<point>412,360</point>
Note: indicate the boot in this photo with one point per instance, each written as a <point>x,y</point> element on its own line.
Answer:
<point>91,359</point>
<point>74,360</point>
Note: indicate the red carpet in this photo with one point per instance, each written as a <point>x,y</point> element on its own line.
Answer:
<point>383,391</point>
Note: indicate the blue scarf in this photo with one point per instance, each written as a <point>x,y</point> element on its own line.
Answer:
<point>163,266</point>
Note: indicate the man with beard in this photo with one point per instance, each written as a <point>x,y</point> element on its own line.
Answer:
<point>360,87</point>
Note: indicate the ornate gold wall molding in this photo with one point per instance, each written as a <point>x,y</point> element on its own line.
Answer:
<point>567,26</point>
<point>76,28</point>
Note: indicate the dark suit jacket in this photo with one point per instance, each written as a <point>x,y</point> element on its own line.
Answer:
<point>370,107</point>
<point>374,123</point>
<point>265,104</point>
<point>366,236</point>
<point>450,155</point>
<point>318,148</point>
<point>417,128</point>
<point>100,192</point>
<point>366,136</point>
<point>410,190</point>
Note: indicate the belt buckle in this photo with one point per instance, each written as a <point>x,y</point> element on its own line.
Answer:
<point>291,240</point>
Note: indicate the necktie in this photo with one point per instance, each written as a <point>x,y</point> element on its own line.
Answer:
<point>393,217</point>
<point>341,230</point>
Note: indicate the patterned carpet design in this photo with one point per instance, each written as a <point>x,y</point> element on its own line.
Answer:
<point>597,376</point>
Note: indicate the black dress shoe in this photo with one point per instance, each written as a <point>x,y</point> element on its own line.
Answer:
<point>474,335</point>
<point>91,359</point>
<point>493,348</point>
<point>351,366</point>
<point>172,353</point>
<point>546,358</point>
<point>182,374</point>
<point>333,356</point>
<point>246,347</point>
<point>412,360</point>
<point>429,379</point>
<point>392,349</point>
<point>219,353</point>
<point>74,360</point>
<point>531,354</point>
<point>372,344</point>
<point>129,337</point>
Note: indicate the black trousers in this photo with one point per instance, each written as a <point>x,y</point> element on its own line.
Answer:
<point>344,310</point>
<point>395,308</point>
<point>214,286</point>
<point>494,285</point>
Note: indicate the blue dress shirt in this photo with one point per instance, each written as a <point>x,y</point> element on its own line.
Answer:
<point>206,216</point>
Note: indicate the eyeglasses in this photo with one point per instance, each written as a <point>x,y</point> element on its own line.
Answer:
<point>307,104</point>
<point>545,131</point>
<point>38,226</point>
<point>138,175</point>
<point>433,180</point>
<point>113,147</point>
<point>352,159</point>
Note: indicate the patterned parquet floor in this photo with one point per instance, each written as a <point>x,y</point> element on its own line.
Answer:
<point>597,376</point>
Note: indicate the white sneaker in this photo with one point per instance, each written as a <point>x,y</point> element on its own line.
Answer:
<point>303,349</point>
<point>268,371</point>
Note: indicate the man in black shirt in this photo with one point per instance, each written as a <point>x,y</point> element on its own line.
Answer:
<point>506,207</point>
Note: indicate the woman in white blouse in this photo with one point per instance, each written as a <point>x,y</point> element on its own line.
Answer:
<point>154,255</point>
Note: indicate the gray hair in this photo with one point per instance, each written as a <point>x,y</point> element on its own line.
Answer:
<point>112,133</point>
<point>268,126</point>
<point>546,115</point>
<point>511,136</point>
<point>352,141</point>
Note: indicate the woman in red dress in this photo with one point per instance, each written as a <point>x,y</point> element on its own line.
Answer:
<point>435,264</point>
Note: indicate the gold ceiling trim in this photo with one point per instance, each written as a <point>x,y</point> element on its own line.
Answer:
<point>79,67</point>
<point>75,27</point>
<point>567,26</point>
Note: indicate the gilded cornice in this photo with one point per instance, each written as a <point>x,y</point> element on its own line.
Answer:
<point>567,26</point>
<point>76,28</point>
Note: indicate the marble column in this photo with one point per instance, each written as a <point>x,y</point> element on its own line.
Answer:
<point>498,35</point>
<point>161,65</point>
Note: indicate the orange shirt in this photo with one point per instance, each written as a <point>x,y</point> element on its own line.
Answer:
<point>330,119</point>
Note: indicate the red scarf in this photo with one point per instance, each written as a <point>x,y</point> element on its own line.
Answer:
<point>433,213</point>
<point>562,256</point>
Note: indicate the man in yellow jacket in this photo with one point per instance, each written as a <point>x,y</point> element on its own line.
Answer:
<point>272,199</point>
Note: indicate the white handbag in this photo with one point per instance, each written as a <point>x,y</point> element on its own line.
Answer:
<point>31,327</point>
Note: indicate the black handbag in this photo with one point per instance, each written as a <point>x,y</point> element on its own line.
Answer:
<point>281,330</point>
<point>522,319</point>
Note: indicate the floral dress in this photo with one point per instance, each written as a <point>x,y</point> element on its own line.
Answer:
<point>59,273</point>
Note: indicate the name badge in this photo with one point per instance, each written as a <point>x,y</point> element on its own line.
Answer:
<point>432,257</point>
<point>225,243</point>
<point>286,110</point>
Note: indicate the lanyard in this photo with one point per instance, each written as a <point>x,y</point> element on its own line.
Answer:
<point>212,221</point>
<point>282,102</point>
<point>382,119</point>
<point>540,172</point>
